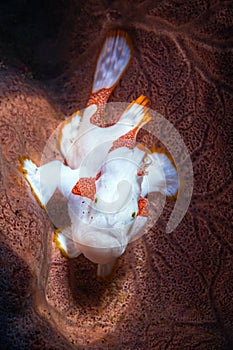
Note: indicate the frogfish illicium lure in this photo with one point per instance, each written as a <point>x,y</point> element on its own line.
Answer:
<point>106,175</point>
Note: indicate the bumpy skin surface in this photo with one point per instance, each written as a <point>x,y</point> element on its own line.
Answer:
<point>169,291</point>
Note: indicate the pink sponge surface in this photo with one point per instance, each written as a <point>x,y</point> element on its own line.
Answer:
<point>169,291</point>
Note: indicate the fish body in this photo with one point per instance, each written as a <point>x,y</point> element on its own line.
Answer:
<point>106,176</point>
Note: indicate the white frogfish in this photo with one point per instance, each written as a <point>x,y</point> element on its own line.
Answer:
<point>106,175</point>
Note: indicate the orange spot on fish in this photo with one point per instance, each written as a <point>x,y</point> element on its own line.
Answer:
<point>100,99</point>
<point>98,176</point>
<point>142,207</point>
<point>85,187</point>
<point>140,172</point>
<point>127,140</point>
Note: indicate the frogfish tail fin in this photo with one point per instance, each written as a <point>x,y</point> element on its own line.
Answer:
<point>113,59</point>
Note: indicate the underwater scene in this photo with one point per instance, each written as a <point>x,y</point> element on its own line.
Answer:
<point>116,175</point>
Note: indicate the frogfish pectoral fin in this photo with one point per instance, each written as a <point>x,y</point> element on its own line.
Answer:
<point>161,176</point>
<point>44,180</point>
<point>134,117</point>
<point>68,132</point>
<point>39,179</point>
<point>64,242</point>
